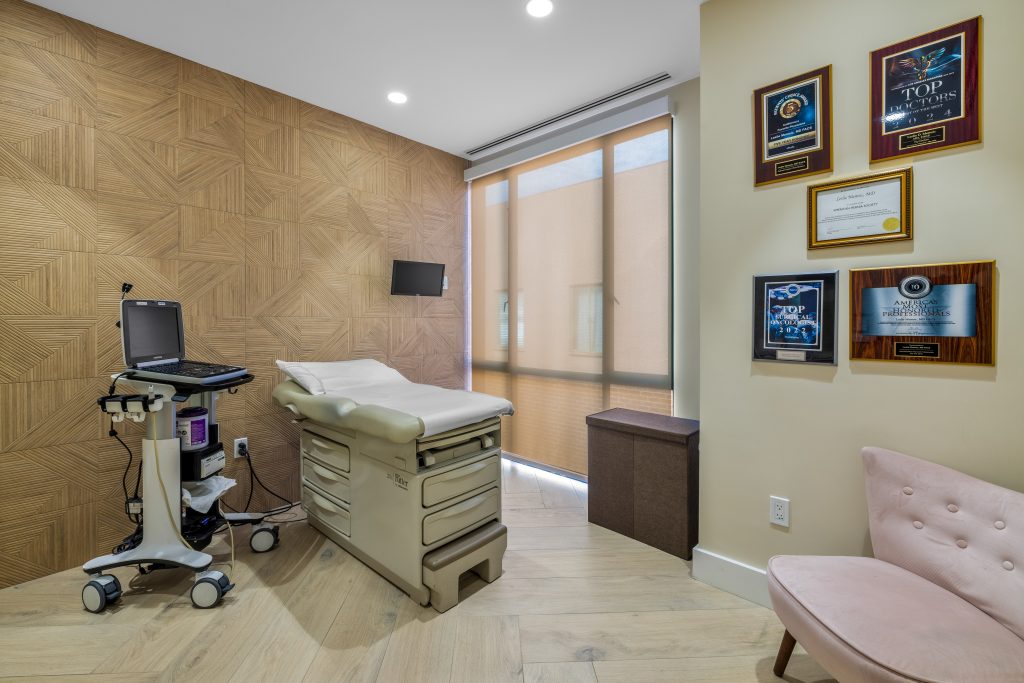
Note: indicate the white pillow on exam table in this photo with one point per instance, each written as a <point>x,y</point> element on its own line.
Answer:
<point>320,378</point>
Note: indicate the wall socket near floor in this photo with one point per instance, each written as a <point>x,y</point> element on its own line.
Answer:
<point>779,513</point>
<point>244,441</point>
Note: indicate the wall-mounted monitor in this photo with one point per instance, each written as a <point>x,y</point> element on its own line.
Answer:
<point>417,278</point>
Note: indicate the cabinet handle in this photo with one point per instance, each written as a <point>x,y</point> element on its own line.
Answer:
<point>325,473</point>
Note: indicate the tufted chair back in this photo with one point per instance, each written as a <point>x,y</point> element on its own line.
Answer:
<point>958,532</point>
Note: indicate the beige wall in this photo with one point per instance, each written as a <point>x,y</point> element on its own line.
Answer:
<point>794,430</point>
<point>685,99</point>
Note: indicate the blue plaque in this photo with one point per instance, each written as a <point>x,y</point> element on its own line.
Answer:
<point>791,120</point>
<point>943,311</point>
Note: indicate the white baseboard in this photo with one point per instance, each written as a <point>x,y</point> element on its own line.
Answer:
<point>731,576</point>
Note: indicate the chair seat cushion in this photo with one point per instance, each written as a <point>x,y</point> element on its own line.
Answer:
<point>905,625</point>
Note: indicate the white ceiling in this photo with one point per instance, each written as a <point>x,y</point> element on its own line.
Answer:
<point>474,70</point>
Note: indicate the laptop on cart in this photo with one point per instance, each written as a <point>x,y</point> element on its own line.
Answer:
<point>153,340</point>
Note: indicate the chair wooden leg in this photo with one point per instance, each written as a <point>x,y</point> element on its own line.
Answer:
<point>785,652</point>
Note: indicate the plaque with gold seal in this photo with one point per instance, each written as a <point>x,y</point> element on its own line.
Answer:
<point>873,208</point>
<point>793,127</point>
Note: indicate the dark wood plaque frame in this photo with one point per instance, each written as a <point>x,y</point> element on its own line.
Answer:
<point>976,350</point>
<point>801,163</point>
<point>965,130</point>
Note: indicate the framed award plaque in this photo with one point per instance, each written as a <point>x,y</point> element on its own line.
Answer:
<point>940,313</point>
<point>795,317</point>
<point>793,127</point>
<point>926,92</point>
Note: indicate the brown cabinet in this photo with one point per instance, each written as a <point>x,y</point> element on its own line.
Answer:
<point>642,475</point>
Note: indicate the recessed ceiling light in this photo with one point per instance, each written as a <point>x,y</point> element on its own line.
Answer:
<point>397,97</point>
<point>539,8</point>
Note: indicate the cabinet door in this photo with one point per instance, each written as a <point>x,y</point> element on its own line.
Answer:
<point>661,498</point>
<point>610,479</point>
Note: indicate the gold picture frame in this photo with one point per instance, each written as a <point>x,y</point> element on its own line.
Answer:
<point>878,207</point>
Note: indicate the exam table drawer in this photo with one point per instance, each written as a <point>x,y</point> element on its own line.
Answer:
<point>454,519</point>
<point>325,450</point>
<point>333,515</point>
<point>448,485</point>
<point>326,480</point>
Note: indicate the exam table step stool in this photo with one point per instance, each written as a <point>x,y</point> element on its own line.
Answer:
<point>480,551</point>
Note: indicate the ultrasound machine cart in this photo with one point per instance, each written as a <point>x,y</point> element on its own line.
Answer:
<point>162,543</point>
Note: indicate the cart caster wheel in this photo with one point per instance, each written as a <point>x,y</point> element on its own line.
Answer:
<point>263,538</point>
<point>209,588</point>
<point>100,592</point>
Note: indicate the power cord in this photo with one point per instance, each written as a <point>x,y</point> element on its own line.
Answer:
<point>243,450</point>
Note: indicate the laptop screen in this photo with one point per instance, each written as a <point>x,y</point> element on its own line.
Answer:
<point>151,331</point>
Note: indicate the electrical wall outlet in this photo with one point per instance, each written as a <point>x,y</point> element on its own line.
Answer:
<point>244,441</point>
<point>779,513</point>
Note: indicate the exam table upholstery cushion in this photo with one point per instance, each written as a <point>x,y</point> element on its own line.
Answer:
<point>372,397</point>
<point>868,620</point>
<point>321,378</point>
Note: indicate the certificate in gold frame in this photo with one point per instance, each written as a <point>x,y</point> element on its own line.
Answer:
<point>872,208</point>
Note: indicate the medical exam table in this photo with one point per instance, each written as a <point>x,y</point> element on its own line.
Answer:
<point>417,505</point>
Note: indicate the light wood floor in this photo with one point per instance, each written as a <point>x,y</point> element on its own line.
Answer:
<point>576,603</point>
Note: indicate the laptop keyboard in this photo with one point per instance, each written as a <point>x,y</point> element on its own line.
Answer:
<point>193,369</point>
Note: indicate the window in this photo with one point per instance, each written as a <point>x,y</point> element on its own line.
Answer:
<point>589,314</point>
<point>584,234</point>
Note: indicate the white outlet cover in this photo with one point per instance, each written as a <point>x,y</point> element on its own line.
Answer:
<point>778,513</point>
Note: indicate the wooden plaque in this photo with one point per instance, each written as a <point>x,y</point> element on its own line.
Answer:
<point>938,313</point>
<point>793,127</point>
<point>926,92</point>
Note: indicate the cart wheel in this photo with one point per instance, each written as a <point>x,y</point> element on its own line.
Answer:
<point>99,592</point>
<point>263,538</point>
<point>209,588</point>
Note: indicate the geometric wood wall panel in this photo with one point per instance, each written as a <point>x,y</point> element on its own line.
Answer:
<point>334,161</point>
<point>47,84</point>
<point>271,195</point>
<point>330,124</point>
<point>446,370</point>
<point>136,167</point>
<point>208,126</point>
<point>135,226</point>
<point>37,349</point>
<point>142,62</point>
<point>212,289</point>
<point>210,84</point>
<point>46,150</point>
<point>49,413</point>
<point>271,105</point>
<point>272,220</point>
<point>370,338</point>
<point>211,180</point>
<point>129,106</point>
<point>327,251</point>
<point>271,145</point>
<point>45,216</point>
<point>211,235</point>
<point>49,31</point>
<point>271,243</point>
<point>43,282</point>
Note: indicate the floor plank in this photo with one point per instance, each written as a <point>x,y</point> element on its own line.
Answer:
<point>560,672</point>
<point>649,635</point>
<point>487,649</point>
<point>598,594</point>
<point>753,669</point>
<point>354,647</point>
<point>577,603</point>
<point>585,562</point>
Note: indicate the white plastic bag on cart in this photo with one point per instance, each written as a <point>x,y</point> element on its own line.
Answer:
<point>201,495</point>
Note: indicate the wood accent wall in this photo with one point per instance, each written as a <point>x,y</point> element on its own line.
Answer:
<point>272,220</point>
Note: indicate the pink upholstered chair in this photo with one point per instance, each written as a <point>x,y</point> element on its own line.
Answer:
<point>941,601</point>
